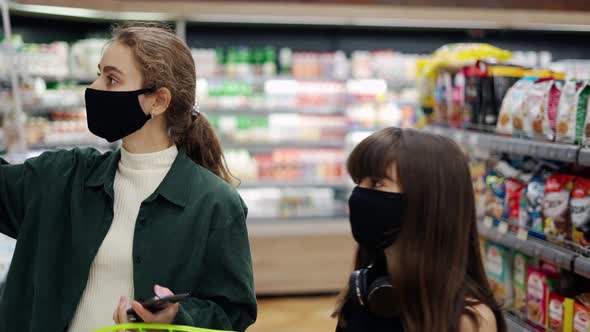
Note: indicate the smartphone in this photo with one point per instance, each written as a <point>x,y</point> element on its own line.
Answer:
<point>156,304</point>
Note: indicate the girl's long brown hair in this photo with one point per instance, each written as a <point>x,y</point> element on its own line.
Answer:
<point>166,61</point>
<point>437,265</point>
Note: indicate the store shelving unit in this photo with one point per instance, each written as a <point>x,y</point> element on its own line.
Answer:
<point>536,149</point>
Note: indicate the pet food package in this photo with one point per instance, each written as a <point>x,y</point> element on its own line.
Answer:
<point>495,196</point>
<point>556,212</point>
<point>537,123</point>
<point>537,296</point>
<point>499,271</point>
<point>513,188</point>
<point>553,108</point>
<point>531,205</point>
<point>581,318</point>
<point>519,276</point>
<point>566,112</point>
<point>560,313</point>
<point>580,211</point>
<point>511,112</point>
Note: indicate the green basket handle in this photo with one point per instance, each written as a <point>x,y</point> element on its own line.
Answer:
<point>143,327</point>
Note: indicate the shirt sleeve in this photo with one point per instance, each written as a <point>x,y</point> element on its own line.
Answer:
<point>11,197</point>
<point>225,297</point>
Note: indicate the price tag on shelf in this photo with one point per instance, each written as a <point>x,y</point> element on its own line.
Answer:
<point>503,227</point>
<point>522,234</point>
<point>488,222</point>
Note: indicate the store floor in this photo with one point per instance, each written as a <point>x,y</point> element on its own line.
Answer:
<point>295,314</point>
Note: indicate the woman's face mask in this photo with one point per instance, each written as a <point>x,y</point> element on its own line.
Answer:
<point>375,217</point>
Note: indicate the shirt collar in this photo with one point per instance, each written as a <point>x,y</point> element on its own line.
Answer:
<point>173,188</point>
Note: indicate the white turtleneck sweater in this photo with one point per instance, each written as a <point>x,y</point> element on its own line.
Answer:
<point>111,273</point>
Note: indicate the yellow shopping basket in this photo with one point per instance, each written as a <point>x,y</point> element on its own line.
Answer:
<point>143,327</point>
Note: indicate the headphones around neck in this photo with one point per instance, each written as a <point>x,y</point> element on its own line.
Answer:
<point>371,288</point>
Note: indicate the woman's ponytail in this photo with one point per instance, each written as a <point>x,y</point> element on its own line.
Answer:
<point>203,147</point>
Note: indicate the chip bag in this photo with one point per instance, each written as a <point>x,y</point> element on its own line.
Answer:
<point>499,271</point>
<point>537,296</point>
<point>519,276</point>
<point>581,318</point>
<point>556,207</point>
<point>580,211</point>
<point>495,197</point>
<point>566,112</point>
<point>537,124</point>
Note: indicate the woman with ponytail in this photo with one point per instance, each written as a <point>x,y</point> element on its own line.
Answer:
<point>99,233</point>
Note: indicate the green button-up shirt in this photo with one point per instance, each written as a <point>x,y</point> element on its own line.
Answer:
<point>190,236</point>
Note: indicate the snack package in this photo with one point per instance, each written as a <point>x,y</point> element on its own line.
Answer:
<point>495,197</point>
<point>499,272</point>
<point>478,178</point>
<point>537,123</point>
<point>560,313</point>
<point>474,77</point>
<point>581,318</point>
<point>566,113</point>
<point>537,292</point>
<point>556,207</point>
<point>531,205</point>
<point>512,113</point>
<point>553,108</point>
<point>519,107</point>
<point>519,276</point>
<point>580,212</point>
<point>581,110</point>
<point>513,189</point>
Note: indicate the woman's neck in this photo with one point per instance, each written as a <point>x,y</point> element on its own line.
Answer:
<point>153,137</point>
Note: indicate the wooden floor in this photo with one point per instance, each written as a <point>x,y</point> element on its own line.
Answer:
<point>295,315</point>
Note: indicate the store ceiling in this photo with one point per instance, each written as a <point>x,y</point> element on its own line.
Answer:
<point>371,13</point>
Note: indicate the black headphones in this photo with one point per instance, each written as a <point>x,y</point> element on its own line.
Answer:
<point>371,288</point>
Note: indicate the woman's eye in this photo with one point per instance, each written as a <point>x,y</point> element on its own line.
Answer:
<point>376,183</point>
<point>112,81</point>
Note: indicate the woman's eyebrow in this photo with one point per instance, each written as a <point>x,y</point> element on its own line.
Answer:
<point>108,69</point>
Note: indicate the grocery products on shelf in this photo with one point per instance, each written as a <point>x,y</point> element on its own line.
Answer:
<point>546,297</point>
<point>279,203</point>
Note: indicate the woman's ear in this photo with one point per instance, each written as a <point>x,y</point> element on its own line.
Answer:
<point>160,101</point>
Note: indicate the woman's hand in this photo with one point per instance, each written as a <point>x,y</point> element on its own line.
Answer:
<point>164,316</point>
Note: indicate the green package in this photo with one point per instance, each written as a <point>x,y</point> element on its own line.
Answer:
<point>519,276</point>
<point>582,104</point>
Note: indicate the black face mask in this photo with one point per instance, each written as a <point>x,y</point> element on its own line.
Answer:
<point>375,217</point>
<point>113,115</point>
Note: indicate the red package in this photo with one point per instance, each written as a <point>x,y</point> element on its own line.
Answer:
<point>556,212</point>
<point>580,212</point>
<point>552,109</point>
<point>537,291</point>
<point>581,318</point>
<point>513,192</point>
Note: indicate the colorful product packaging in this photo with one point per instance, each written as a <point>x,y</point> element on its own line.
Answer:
<point>499,270</point>
<point>478,178</point>
<point>514,188</point>
<point>537,296</point>
<point>556,207</point>
<point>531,205</point>
<point>581,110</point>
<point>519,277</point>
<point>580,212</point>
<point>560,313</point>
<point>581,318</point>
<point>537,124</point>
<point>512,115</point>
<point>553,109</point>
<point>567,112</point>
<point>495,197</point>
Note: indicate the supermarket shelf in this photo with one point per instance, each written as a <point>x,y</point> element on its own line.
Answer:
<point>297,220</point>
<point>296,184</point>
<point>536,149</point>
<point>307,110</point>
<point>319,227</point>
<point>515,324</point>
<point>269,147</point>
<point>533,247</point>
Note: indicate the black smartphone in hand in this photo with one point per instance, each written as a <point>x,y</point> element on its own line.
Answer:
<point>156,304</point>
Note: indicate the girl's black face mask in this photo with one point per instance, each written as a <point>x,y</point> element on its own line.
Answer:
<point>114,115</point>
<point>375,217</point>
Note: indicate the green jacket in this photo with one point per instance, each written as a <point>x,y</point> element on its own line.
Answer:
<point>190,236</point>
